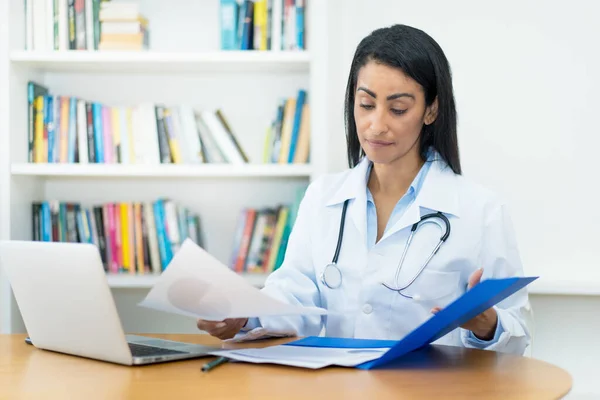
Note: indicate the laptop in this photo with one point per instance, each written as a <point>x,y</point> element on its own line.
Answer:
<point>67,306</point>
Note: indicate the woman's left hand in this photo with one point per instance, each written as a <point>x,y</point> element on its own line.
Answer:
<point>483,325</point>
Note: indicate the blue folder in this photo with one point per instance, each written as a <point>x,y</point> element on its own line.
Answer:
<point>472,303</point>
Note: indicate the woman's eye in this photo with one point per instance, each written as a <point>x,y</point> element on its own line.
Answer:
<point>398,112</point>
<point>367,106</point>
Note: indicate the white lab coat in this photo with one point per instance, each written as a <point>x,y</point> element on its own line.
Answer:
<point>481,236</point>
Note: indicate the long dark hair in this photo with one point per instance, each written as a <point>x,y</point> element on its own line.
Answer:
<point>422,59</point>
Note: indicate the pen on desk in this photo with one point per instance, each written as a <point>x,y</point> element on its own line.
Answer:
<point>215,363</point>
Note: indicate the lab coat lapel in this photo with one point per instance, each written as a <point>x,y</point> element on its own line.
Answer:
<point>410,216</point>
<point>439,193</point>
<point>358,213</point>
<point>354,188</point>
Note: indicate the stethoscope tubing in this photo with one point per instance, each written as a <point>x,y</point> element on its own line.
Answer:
<point>414,228</point>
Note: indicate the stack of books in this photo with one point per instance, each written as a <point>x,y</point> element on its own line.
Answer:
<point>133,238</point>
<point>123,27</point>
<point>262,25</point>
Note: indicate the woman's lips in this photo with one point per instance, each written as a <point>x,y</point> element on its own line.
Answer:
<point>379,143</point>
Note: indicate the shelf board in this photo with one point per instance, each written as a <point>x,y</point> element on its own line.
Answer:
<point>566,288</point>
<point>164,62</point>
<point>125,281</point>
<point>162,170</point>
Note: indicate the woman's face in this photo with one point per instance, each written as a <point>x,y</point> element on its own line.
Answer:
<point>389,111</point>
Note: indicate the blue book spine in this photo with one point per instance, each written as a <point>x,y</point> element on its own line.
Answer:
<point>49,108</point>
<point>164,246</point>
<point>240,25</point>
<point>47,222</point>
<point>88,218</point>
<point>247,26</point>
<point>229,20</point>
<point>72,128</point>
<point>97,117</point>
<point>297,117</point>
<point>300,24</point>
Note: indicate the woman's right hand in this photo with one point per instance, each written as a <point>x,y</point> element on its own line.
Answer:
<point>225,329</point>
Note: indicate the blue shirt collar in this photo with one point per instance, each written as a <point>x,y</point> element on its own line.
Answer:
<point>417,183</point>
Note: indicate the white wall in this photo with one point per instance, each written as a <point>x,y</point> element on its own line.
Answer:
<point>526,95</point>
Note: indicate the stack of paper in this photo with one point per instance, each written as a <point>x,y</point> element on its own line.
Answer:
<point>305,357</point>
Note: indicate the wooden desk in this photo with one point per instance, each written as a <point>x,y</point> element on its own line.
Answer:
<point>437,372</point>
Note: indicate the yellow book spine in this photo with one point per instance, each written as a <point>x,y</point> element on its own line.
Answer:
<point>39,131</point>
<point>260,23</point>
<point>64,129</point>
<point>125,236</point>
<point>173,142</point>
<point>267,145</point>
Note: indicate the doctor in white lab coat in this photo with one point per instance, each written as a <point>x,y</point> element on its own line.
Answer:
<point>403,153</point>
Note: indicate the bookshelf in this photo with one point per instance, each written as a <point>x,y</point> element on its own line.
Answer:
<point>184,65</point>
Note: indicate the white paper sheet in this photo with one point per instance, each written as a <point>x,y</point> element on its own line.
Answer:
<point>258,333</point>
<point>196,284</point>
<point>302,356</point>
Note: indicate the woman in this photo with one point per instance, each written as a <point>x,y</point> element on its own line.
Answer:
<point>403,153</point>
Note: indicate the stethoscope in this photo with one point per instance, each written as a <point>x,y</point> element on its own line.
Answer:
<point>332,276</point>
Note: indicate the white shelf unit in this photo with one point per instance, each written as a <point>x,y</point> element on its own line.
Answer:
<point>161,62</point>
<point>162,171</point>
<point>183,66</point>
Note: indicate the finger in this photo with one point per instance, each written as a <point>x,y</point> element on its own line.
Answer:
<point>227,334</point>
<point>233,327</point>
<point>211,326</point>
<point>475,278</point>
<point>436,310</point>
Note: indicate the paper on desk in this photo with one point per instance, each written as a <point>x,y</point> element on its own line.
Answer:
<point>305,357</point>
<point>259,333</point>
<point>196,284</point>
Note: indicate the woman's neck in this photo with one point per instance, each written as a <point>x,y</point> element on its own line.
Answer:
<point>394,179</point>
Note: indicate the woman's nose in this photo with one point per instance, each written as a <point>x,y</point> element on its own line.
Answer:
<point>378,122</point>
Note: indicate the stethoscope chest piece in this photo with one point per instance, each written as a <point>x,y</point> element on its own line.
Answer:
<point>331,276</point>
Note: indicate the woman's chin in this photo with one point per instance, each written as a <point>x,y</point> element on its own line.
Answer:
<point>380,157</point>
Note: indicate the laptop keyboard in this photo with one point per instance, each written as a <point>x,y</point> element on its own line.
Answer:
<point>140,350</point>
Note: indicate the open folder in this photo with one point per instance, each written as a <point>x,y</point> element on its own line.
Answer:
<point>317,352</point>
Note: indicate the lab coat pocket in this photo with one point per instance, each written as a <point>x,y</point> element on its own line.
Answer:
<point>435,287</point>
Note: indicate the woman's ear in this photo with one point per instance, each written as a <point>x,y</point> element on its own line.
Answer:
<point>431,112</point>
